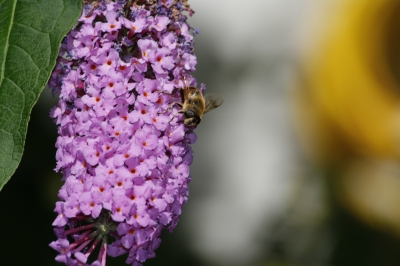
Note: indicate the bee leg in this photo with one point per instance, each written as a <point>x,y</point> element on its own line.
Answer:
<point>174,91</point>
<point>190,130</point>
<point>179,112</point>
<point>172,94</point>
<point>170,107</point>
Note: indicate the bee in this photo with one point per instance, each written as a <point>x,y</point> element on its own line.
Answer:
<point>194,105</point>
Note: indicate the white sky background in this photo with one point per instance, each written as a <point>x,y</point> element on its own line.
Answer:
<point>245,155</point>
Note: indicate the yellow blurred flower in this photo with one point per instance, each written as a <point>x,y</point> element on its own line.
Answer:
<point>348,108</point>
<point>352,81</point>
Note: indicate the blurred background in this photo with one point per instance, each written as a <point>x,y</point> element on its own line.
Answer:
<point>299,166</point>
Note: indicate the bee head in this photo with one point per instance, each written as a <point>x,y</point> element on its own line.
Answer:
<point>191,118</point>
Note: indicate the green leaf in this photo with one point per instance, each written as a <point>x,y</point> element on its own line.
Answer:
<point>30,35</point>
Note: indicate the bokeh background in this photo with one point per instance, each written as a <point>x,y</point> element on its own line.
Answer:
<point>299,166</point>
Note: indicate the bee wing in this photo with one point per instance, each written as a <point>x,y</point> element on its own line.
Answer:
<point>212,101</point>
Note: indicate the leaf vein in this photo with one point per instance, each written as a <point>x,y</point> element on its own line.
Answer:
<point>27,53</point>
<point>27,26</point>
<point>17,86</point>
<point>7,44</point>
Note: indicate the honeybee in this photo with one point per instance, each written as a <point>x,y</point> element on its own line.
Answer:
<point>194,105</point>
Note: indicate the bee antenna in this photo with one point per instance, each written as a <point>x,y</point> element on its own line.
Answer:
<point>187,80</point>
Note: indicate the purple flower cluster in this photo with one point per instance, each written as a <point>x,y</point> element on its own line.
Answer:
<point>125,163</point>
